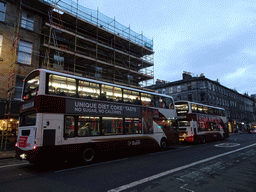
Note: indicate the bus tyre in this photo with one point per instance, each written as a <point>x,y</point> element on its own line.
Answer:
<point>203,140</point>
<point>164,144</point>
<point>88,155</point>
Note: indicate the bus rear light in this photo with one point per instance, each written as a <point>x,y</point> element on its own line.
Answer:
<point>34,147</point>
<point>16,144</point>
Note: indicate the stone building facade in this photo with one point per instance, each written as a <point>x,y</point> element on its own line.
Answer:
<point>240,108</point>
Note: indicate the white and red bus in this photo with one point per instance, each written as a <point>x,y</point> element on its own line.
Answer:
<point>200,123</point>
<point>63,115</point>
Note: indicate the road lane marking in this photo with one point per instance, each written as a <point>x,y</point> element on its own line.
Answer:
<point>227,145</point>
<point>135,183</point>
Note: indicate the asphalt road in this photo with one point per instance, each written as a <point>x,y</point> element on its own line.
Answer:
<point>217,166</point>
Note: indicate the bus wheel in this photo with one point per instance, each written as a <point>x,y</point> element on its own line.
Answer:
<point>164,144</point>
<point>203,140</point>
<point>88,155</point>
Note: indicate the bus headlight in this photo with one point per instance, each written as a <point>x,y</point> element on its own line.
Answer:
<point>23,156</point>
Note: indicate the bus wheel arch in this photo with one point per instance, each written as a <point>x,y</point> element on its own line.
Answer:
<point>88,155</point>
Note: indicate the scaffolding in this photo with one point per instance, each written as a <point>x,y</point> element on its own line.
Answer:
<point>85,42</point>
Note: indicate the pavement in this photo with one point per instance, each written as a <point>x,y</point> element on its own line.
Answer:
<point>9,152</point>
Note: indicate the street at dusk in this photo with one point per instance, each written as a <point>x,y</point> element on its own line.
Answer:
<point>108,96</point>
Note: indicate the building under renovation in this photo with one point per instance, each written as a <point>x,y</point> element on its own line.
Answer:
<point>64,36</point>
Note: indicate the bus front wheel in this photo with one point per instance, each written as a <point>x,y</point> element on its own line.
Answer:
<point>164,144</point>
<point>203,140</point>
<point>88,155</point>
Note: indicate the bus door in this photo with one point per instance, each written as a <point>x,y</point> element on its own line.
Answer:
<point>52,129</point>
<point>194,127</point>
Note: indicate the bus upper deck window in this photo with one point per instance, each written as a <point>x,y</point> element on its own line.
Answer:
<point>62,86</point>
<point>88,90</point>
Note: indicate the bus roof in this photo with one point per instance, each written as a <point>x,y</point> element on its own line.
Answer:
<point>183,101</point>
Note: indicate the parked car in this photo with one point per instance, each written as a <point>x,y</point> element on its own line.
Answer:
<point>252,130</point>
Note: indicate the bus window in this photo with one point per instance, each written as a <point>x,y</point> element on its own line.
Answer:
<point>160,102</point>
<point>205,109</point>
<point>194,108</point>
<point>131,97</point>
<point>27,119</point>
<point>181,107</point>
<point>69,126</point>
<point>213,126</point>
<point>63,86</point>
<point>112,125</point>
<point>215,111</point>
<point>111,93</point>
<point>210,110</point>
<point>88,90</point>
<point>31,87</point>
<point>174,124</point>
<point>133,126</point>
<point>88,126</point>
<point>169,103</point>
<point>184,123</point>
<point>202,126</point>
<point>223,113</point>
<point>147,99</point>
<point>200,108</point>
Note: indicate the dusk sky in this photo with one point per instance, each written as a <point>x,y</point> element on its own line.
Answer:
<point>213,37</point>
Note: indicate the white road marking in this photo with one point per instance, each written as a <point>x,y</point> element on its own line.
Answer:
<point>227,145</point>
<point>135,183</point>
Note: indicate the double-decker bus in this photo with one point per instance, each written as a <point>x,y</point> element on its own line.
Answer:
<point>63,115</point>
<point>200,123</point>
